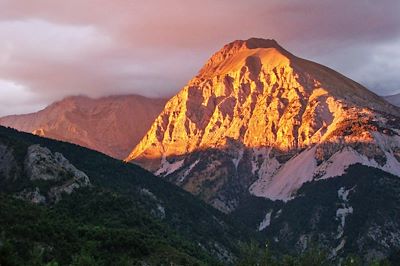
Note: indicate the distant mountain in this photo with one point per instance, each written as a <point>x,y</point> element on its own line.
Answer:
<point>393,99</point>
<point>259,120</point>
<point>112,125</point>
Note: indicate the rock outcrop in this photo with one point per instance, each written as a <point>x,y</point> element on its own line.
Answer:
<point>257,118</point>
<point>42,177</point>
<point>8,166</point>
<point>61,176</point>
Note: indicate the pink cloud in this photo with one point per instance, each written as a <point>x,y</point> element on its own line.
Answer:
<point>100,47</point>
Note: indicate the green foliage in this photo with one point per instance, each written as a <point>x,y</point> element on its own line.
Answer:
<point>114,222</point>
<point>314,257</point>
<point>39,235</point>
<point>253,255</point>
<point>110,223</point>
<point>84,260</point>
<point>352,260</point>
<point>374,196</point>
<point>8,254</point>
<point>384,262</point>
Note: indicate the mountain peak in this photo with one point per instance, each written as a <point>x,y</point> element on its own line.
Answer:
<point>259,113</point>
<point>254,43</point>
<point>254,51</point>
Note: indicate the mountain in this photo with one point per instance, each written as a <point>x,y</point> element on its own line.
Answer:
<point>57,207</point>
<point>393,99</point>
<point>259,120</point>
<point>108,125</point>
<point>302,160</point>
<point>356,213</point>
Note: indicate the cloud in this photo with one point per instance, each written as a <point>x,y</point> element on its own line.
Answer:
<point>101,47</point>
<point>16,98</point>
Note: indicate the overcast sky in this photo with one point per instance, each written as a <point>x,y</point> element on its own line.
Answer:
<point>50,49</point>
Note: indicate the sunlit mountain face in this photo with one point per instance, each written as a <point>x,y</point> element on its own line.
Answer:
<point>259,120</point>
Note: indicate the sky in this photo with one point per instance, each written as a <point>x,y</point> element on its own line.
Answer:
<point>52,49</point>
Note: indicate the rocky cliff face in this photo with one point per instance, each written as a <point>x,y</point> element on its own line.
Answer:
<point>42,165</point>
<point>8,166</point>
<point>112,125</point>
<point>257,118</point>
<point>43,177</point>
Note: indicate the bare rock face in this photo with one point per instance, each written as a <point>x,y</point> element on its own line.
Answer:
<point>112,125</point>
<point>42,164</point>
<point>32,195</point>
<point>261,119</point>
<point>8,165</point>
<point>39,176</point>
<point>54,169</point>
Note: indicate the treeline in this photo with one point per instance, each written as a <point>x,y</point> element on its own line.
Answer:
<point>254,255</point>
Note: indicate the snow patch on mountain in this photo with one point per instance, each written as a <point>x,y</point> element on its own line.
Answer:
<point>340,161</point>
<point>282,183</point>
<point>167,167</point>
<point>343,194</point>
<point>187,172</point>
<point>266,222</point>
<point>344,210</point>
<point>339,247</point>
<point>341,214</point>
<point>288,178</point>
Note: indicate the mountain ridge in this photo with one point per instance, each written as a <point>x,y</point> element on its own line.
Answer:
<point>393,99</point>
<point>107,124</point>
<point>117,209</point>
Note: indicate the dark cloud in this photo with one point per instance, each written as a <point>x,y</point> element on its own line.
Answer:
<point>51,49</point>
